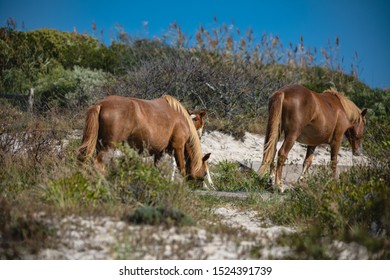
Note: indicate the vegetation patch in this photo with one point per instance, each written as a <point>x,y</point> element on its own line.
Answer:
<point>233,176</point>
<point>158,216</point>
<point>21,234</point>
<point>354,208</point>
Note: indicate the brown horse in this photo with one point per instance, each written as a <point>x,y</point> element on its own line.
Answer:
<point>198,119</point>
<point>157,126</point>
<point>312,119</point>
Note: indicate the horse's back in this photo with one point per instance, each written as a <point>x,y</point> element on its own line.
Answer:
<point>302,100</point>
<point>296,94</point>
<point>299,103</point>
<point>138,121</point>
<point>133,109</point>
<point>300,95</point>
<point>295,89</point>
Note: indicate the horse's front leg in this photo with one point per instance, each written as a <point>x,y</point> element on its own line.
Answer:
<point>180,160</point>
<point>308,160</point>
<point>334,150</point>
<point>157,158</point>
<point>173,164</point>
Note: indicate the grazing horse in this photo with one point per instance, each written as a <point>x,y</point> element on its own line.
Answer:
<point>157,126</point>
<point>312,119</point>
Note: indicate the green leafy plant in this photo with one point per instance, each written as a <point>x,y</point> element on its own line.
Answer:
<point>229,176</point>
<point>77,190</point>
<point>352,209</point>
<point>157,216</point>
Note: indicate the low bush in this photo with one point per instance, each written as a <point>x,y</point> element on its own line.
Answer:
<point>158,216</point>
<point>230,176</point>
<point>354,208</point>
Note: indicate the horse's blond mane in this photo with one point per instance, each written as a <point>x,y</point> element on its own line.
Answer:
<point>196,150</point>
<point>352,111</point>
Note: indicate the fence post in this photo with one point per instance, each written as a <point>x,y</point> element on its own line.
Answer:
<point>31,100</point>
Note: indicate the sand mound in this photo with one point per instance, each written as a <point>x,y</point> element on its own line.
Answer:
<point>250,150</point>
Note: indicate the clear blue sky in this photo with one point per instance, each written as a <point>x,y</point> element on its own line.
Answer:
<point>363,26</point>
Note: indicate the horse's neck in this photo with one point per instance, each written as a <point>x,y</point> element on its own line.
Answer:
<point>350,109</point>
<point>192,161</point>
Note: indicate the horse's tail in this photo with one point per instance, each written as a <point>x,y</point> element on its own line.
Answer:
<point>273,131</point>
<point>90,135</point>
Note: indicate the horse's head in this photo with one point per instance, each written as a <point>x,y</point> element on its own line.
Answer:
<point>203,174</point>
<point>355,134</point>
<point>198,119</point>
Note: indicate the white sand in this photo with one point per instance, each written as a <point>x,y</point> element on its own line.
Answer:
<point>250,151</point>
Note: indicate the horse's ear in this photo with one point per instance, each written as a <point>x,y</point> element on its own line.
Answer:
<point>206,157</point>
<point>203,113</point>
<point>190,112</point>
<point>364,112</point>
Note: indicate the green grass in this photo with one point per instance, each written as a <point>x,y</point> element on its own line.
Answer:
<point>354,208</point>
<point>229,176</point>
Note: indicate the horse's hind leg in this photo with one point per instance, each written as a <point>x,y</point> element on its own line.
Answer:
<point>308,160</point>
<point>272,174</point>
<point>334,150</point>
<point>282,157</point>
<point>99,161</point>
<point>102,154</point>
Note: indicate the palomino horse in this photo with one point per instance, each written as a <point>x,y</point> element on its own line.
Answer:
<point>157,125</point>
<point>312,119</point>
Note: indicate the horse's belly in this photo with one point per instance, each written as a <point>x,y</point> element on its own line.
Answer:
<point>306,140</point>
<point>145,141</point>
<point>312,138</point>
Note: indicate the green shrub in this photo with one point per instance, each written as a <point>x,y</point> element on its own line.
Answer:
<point>229,176</point>
<point>157,216</point>
<point>133,178</point>
<point>77,190</point>
<point>70,88</point>
<point>89,87</point>
<point>354,208</point>
<point>52,87</point>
